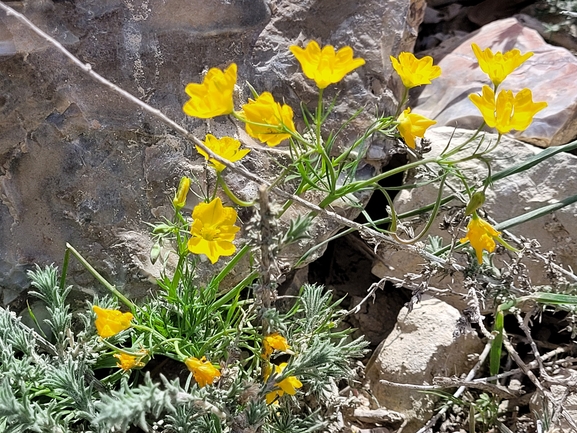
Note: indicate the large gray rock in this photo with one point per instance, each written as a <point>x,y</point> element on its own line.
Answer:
<point>427,342</point>
<point>79,164</point>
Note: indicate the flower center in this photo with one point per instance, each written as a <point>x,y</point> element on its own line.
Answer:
<point>210,233</point>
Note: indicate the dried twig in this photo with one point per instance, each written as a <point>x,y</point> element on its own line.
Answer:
<point>557,406</point>
<point>459,391</point>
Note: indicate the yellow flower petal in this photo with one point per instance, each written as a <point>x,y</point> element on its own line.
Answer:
<point>325,66</point>
<point>128,362</point>
<point>110,322</point>
<point>509,112</point>
<point>272,342</point>
<point>415,72</point>
<point>486,105</point>
<point>213,230</point>
<point>481,236</point>
<point>226,147</point>
<point>214,96</point>
<point>268,121</point>
<point>288,385</point>
<point>498,66</point>
<point>525,109</point>
<point>412,125</point>
<point>203,371</point>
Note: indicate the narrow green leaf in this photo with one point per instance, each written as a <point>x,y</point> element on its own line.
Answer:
<point>497,346</point>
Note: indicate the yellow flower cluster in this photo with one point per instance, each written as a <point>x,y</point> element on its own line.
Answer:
<point>505,111</point>
<point>273,342</point>
<point>265,119</point>
<point>214,97</point>
<point>213,229</point>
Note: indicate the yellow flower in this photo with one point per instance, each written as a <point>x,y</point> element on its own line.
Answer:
<point>267,120</point>
<point>128,362</point>
<point>415,72</point>
<point>213,230</point>
<point>110,322</point>
<point>226,147</point>
<point>412,125</point>
<point>288,385</point>
<point>203,371</point>
<point>498,66</point>
<point>274,341</point>
<point>509,111</point>
<point>214,96</point>
<point>327,66</point>
<point>179,199</point>
<point>481,235</point>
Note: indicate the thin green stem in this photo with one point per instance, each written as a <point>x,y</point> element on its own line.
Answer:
<point>404,99</point>
<point>64,269</point>
<point>231,195</point>
<point>226,270</point>
<point>430,221</point>
<point>359,185</point>
<point>101,279</point>
<point>181,355</point>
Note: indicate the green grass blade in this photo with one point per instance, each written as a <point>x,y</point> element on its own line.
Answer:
<point>534,160</point>
<point>497,346</point>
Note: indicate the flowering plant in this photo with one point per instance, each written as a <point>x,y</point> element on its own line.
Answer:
<point>248,363</point>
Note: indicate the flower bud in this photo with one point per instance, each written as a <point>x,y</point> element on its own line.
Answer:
<point>477,200</point>
<point>180,198</point>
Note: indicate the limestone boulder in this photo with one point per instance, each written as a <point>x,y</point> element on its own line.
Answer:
<point>79,164</point>
<point>549,74</point>
<point>429,341</point>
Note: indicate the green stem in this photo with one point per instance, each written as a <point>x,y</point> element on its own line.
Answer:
<point>231,195</point>
<point>430,221</point>
<point>64,269</point>
<point>226,270</point>
<point>178,352</point>
<point>403,100</point>
<point>231,294</point>
<point>318,118</point>
<point>101,279</point>
<point>357,186</point>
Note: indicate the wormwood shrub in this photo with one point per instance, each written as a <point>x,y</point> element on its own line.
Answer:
<point>251,366</point>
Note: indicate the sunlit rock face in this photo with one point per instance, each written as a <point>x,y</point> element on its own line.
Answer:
<point>79,164</point>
